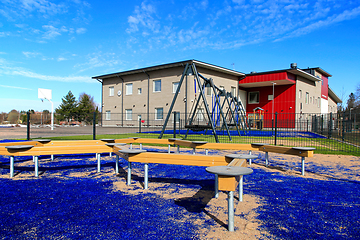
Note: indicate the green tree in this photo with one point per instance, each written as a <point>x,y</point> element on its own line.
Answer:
<point>68,107</point>
<point>3,116</point>
<point>357,96</point>
<point>85,108</point>
<point>46,117</point>
<point>13,116</point>
<point>351,101</point>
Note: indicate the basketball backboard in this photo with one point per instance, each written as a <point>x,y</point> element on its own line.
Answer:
<point>44,93</point>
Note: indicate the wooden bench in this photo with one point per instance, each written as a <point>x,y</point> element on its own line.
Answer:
<point>55,148</point>
<point>296,151</point>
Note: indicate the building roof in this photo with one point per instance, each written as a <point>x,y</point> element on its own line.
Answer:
<point>333,96</point>
<point>171,65</point>
<point>322,71</point>
<point>293,70</point>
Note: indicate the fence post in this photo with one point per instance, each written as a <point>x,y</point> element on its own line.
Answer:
<point>139,125</point>
<point>94,126</point>
<point>343,127</point>
<point>322,124</point>
<point>174,124</point>
<point>330,126</point>
<point>275,127</point>
<point>28,125</point>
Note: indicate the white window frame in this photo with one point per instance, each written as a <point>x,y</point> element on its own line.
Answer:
<point>177,117</point>
<point>307,95</point>
<point>128,114</point>
<point>111,91</point>
<point>154,85</point>
<point>108,115</point>
<point>258,98</point>
<point>233,91</point>
<point>175,86</point>
<point>200,115</point>
<point>128,88</point>
<point>139,91</point>
<point>208,90</point>
<point>300,93</point>
<point>156,113</point>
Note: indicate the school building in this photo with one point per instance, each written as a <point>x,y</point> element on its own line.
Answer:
<point>147,93</point>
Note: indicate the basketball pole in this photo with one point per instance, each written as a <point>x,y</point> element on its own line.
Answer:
<point>52,114</point>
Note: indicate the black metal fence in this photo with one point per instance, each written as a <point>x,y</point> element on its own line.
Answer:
<point>326,132</point>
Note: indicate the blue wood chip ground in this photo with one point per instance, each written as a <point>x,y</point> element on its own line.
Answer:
<point>64,204</point>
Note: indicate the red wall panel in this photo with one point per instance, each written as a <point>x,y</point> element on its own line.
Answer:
<point>284,101</point>
<point>324,87</point>
<point>268,77</point>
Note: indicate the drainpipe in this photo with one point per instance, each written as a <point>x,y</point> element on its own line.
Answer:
<point>102,99</point>
<point>148,99</point>
<point>122,100</point>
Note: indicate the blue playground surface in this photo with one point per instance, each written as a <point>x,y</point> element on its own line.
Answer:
<point>252,133</point>
<point>71,200</point>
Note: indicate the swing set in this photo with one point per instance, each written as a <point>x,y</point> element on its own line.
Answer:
<point>215,119</point>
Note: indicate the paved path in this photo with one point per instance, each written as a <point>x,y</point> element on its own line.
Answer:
<point>36,132</point>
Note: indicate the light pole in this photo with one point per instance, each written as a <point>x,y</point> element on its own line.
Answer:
<point>350,119</point>
<point>273,99</point>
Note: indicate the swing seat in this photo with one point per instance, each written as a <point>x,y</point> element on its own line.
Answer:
<point>198,128</point>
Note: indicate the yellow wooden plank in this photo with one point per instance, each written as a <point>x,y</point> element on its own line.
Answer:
<point>286,150</point>
<point>227,146</point>
<point>34,143</point>
<point>238,163</point>
<point>227,183</point>
<point>176,159</point>
<point>51,150</point>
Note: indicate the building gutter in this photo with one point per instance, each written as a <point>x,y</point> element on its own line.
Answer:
<point>148,99</point>
<point>122,100</point>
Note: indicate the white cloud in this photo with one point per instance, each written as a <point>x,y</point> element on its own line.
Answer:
<point>99,59</point>
<point>143,17</point>
<point>346,15</point>
<point>53,32</point>
<point>31,54</point>
<point>61,59</point>
<point>5,86</point>
<point>80,30</point>
<point>6,69</point>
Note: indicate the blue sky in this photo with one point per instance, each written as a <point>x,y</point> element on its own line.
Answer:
<point>60,45</point>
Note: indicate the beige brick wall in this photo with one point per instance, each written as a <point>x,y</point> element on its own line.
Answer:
<point>138,103</point>
<point>309,97</point>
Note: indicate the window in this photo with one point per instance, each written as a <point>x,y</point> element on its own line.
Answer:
<point>208,90</point>
<point>175,86</point>
<point>128,88</point>
<point>254,97</point>
<point>139,90</point>
<point>111,91</point>
<point>300,94</point>
<point>200,115</point>
<point>128,114</point>
<point>300,106</point>
<point>318,102</point>
<point>270,97</point>
<point>233,91</point>
<point>108,115</point>
<point>159,114</point>
<point>157,86</point>
<point>307,98</point>
<point>177,117</point>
